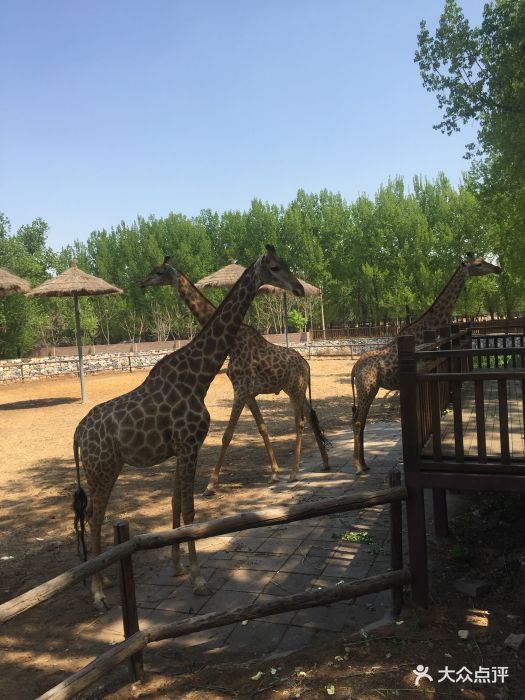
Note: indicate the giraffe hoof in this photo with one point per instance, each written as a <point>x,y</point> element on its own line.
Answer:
<point>178,570</point>
<point>292,477</point>
<point>200,587</point>
<point>275,479</point>
<point>208,492</point>
<point>100,603</point>
<point>361,468</point>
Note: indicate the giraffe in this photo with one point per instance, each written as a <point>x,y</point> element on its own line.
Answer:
<point>164,417</point>
<point>379,368</point>
<point>256,366</point>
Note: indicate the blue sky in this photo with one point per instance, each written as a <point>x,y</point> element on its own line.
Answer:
<point>114,109</point>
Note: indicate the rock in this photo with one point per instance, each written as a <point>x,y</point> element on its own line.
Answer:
<point>463,634</point>
<point>472,587</point>
<point>514,641</point>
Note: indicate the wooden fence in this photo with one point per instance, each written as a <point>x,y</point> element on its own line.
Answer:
<point>460,429</point>
<point>131,648</point>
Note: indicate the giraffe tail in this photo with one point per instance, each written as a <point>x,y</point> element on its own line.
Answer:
<point>354,406</point>
<point>80,503</point>
<point>319,432</point>
<point>314,420</point>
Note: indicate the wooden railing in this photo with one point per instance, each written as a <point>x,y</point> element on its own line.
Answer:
<point>433,399</point>
<point>441,382</point>
<point>136,640</point>
<point>501,326</point>
<point>438,370</point>
<point>483,360</point>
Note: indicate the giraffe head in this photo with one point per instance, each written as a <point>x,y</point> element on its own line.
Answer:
<point>274,270</point>
<point>475,267</point>
<point>161,275</point>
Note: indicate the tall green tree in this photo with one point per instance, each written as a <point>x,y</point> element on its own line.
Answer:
<point>478,73</point>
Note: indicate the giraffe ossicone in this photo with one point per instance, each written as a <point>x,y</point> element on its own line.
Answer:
<point>166,417</point>
<point>379,368</point>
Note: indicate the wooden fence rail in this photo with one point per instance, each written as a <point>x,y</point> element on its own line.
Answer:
<point>137,642</point>
<point>221,526</point>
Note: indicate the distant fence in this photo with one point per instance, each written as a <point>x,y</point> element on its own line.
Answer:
<point>389,330</point>
<point>144,346</point>
<point>31,368</point>
<point>124,357</point>
<point>357,332</point>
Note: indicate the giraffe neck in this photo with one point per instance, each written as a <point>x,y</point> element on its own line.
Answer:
<point>211,345</point>
<point>439,313</point>
<point>200,307</point>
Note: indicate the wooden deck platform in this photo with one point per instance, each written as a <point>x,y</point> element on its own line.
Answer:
<point>492,424</point>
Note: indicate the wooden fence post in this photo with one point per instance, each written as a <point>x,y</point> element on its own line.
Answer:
<point>396,540</point>
<point>128,600</point>
<point>439,496</point>
<point>417,538</point>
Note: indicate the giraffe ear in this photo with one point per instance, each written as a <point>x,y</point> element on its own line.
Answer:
<point>167,258</point>
<point>270,249</point>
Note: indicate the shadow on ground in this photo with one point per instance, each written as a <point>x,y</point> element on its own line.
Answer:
<point>38,403</point>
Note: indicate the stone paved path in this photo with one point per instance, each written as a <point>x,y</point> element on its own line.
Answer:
<point>258,565</point>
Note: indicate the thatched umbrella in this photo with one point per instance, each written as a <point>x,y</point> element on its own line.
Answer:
<point>228,275</point>
<point>75,283</point>
<point>12,283</point>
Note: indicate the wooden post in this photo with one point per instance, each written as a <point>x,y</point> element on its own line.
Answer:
<point>128,600</point>
<point>417,540</point>
<point>439,496</point>
<point>468,345</point>
<point>396,541</point>
<point>455,344</point>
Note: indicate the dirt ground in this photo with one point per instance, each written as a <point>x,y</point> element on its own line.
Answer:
<point>37,479</point>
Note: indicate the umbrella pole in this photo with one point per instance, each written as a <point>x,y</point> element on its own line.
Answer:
<point>80,348</point>
<point>285,320</point>
<point>322,315</point>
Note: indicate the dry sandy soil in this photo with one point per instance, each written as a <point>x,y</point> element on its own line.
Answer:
<point>37,479</point>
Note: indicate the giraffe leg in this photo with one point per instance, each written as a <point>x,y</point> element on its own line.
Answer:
<point>238,405</point>
<point>299,428</point>
<point>186,465</point>
<point>263,430</point>
<point>99,500</point>
<point>364,401</point>
<point>178,569</point>
<point>100,477</point>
